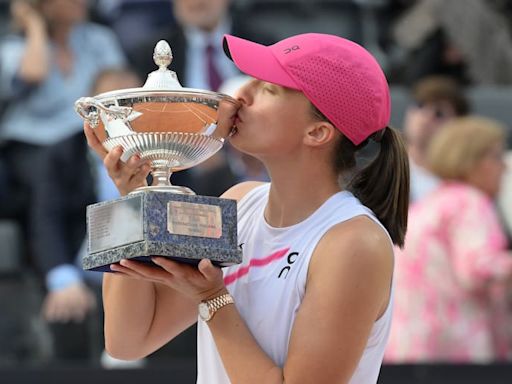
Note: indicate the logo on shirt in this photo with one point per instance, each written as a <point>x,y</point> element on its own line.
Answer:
<point>290,259</point>
<point>255,263</point>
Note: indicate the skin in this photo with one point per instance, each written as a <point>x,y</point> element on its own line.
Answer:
<point>34,66</point>
<point>487,173</point>
<point>205,15</point>
<point>421,124</point>
<point>153,305</point>
<point>72,303</point>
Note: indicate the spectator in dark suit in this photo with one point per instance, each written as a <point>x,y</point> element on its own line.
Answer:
<point>199,62</point>
<point>195,41</point>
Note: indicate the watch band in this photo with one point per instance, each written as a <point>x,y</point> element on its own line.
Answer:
<point>217,303</point>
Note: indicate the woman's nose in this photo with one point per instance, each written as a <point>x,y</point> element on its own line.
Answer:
<point>245,92</point>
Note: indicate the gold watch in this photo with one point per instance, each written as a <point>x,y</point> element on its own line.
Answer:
<point>208,308</point>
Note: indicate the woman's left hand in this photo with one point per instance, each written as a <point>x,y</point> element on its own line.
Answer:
<point>199,283</point>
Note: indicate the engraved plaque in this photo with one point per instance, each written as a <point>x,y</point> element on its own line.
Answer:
<point>194,219</point>
<point>113,225</point>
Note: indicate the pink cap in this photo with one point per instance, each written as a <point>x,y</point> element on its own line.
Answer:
<point>341,78</point>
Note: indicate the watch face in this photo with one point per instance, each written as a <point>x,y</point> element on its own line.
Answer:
<point>204,311</point>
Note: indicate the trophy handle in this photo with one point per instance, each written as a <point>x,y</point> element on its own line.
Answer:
<point>88,108</point>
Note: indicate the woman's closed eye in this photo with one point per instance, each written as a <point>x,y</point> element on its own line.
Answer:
<point>269,88</point>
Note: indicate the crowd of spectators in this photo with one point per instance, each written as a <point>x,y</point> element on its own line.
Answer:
<point>53,52</point>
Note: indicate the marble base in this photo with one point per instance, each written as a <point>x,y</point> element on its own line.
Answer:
<point>186,228</point>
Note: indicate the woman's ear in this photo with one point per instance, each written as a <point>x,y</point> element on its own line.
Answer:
<point>320,133</point>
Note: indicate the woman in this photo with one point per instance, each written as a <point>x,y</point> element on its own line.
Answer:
<point>454,267</point>
<point>435,100</point>
<point>312,302</point>
<point>51,60</point>
<point>43,69</point>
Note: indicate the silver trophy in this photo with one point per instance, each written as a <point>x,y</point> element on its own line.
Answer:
<point>175,128</point>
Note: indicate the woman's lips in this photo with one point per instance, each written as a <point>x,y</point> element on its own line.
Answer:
<point>234,128</point>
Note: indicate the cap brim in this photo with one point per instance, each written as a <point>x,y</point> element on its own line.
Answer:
<point>257,60</point>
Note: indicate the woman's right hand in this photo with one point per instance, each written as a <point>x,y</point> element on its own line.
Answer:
<point>25,16</point>
<point>126,175</point>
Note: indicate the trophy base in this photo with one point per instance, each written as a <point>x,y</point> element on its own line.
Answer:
<point>185,228</point>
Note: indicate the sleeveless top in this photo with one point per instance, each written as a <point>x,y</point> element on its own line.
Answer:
<point>269,285</point>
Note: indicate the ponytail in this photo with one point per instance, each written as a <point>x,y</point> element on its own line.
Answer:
<point>382,185</point>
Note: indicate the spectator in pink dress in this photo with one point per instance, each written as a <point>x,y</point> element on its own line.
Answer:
<point>452,274</point>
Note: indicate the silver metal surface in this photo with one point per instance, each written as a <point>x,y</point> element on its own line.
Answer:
<point>173,127</point>
<point>116,224</point>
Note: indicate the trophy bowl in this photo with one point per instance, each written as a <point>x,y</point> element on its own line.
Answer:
<point>175,128</point>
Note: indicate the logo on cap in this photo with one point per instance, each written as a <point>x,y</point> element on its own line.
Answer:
<point>292,48</point>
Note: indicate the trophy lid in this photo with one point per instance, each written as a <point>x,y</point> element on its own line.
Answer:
<point>162,78</point>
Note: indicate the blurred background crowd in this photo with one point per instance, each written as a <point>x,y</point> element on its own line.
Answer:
<point>449,64</point>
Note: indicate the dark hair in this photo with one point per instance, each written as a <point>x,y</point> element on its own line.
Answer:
<point>383,184</point>
<point>436,88</point>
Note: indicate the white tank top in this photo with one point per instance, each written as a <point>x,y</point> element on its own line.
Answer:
<point>269,285</point>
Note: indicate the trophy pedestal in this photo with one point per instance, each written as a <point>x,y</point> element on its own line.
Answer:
<point>185,228</point>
